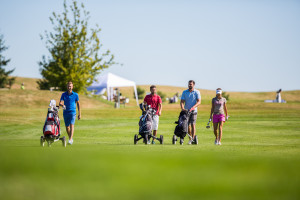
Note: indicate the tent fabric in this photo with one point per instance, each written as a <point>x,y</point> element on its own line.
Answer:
<point>110,81</point>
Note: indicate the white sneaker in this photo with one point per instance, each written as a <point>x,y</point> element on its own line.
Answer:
<point>70,142</point>
<point>190,142</point>
<point>219,143</point>
<point>216,142</point>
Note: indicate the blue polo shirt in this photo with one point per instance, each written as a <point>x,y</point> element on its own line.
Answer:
<point>190,98</point>
<point>70,102</point>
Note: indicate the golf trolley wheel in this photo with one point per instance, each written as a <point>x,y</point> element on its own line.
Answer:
<point>181,141</point>
<point>64,142</point>
<point>42,141</point>
<point>161,139</point>
<point>196,140</point>
<point>135,138</point>
<point>174,139</point>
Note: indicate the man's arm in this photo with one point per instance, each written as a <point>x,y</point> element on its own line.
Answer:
<point>61,103</point>
<point>159,109</point>
<point>182,104</point>
<point>196,105</point>
<point>79,111</point>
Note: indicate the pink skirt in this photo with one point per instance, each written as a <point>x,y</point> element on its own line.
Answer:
<point>218,118</point>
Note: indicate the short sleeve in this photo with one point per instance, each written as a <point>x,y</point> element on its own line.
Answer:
<point>145,99</point>
<point>225,100</point>
<point>183,96</point>
<point>198,95</point>
<point>159,100</point>
<point>77,98</point>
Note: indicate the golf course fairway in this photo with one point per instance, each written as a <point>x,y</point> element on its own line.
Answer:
<point>259,157</point>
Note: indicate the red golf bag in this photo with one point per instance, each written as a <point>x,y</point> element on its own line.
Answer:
<point>52,123</point>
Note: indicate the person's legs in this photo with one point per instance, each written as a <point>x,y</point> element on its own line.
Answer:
<point>220,131</point>
<point>155,126</point>
<point>192,126</point>
<point>67,123</point>
<point>190,130</point>
<point>193,130</point>
<point>154,133</point>
<point>216,132</point>
<point>193,122</point>
<point>68,131</point>
<point>71,131</point>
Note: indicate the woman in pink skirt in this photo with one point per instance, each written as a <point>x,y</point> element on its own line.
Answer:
<point>217,114</point>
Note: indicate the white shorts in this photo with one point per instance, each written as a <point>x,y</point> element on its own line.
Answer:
<point>155,121</point>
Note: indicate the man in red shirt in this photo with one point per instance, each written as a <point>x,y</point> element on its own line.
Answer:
<point>155,102</point>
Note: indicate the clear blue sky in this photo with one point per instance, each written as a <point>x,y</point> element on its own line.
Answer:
<point>237,45</point>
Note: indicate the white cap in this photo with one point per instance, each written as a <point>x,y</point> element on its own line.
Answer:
<point>219,92</point>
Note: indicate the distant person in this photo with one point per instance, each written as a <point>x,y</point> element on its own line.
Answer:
<point>278,96</point>
<point>217,110</point>
<point>155,102</point>
<point>190,100</point>
<point>22,86</point>
<point>174,99</point>
<point>68,101</point>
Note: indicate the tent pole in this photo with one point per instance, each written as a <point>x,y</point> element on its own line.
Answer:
<point>136,96</point>
<point>108,93</point>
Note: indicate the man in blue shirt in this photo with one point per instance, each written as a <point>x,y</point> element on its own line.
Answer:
<point>68,101</point>
<point>190,100</point>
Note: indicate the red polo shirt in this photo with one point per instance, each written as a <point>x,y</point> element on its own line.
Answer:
<point>153,101</point>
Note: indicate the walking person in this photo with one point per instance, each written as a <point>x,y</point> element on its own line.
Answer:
<point>190,100</point>
<point>218,107</point>
<point>68,101</point>
<point>155,102</point>
<point>278,96</point>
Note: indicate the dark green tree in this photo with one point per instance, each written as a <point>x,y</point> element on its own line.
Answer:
<point>5,80</point>
<point>162,96</point>
<point>74,50</point>
<point>140,93</point>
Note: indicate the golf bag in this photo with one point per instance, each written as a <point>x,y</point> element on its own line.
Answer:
<point>52,123</point>
<point>145,123</point>
<point>182,124</point>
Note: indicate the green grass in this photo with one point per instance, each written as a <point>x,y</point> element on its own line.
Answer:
<point>259,158</point>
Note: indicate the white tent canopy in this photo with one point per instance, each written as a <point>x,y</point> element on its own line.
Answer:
<point>110,81</point>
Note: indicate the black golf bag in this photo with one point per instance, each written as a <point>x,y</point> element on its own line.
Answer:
<point>182,124</point>
<point>145,123</point>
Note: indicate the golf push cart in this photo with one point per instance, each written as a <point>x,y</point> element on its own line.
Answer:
<point>181,129</point>
<point>145,125</point>
<point>51,129</point>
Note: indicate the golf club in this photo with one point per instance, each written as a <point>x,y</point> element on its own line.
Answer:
<point>208,124</point>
